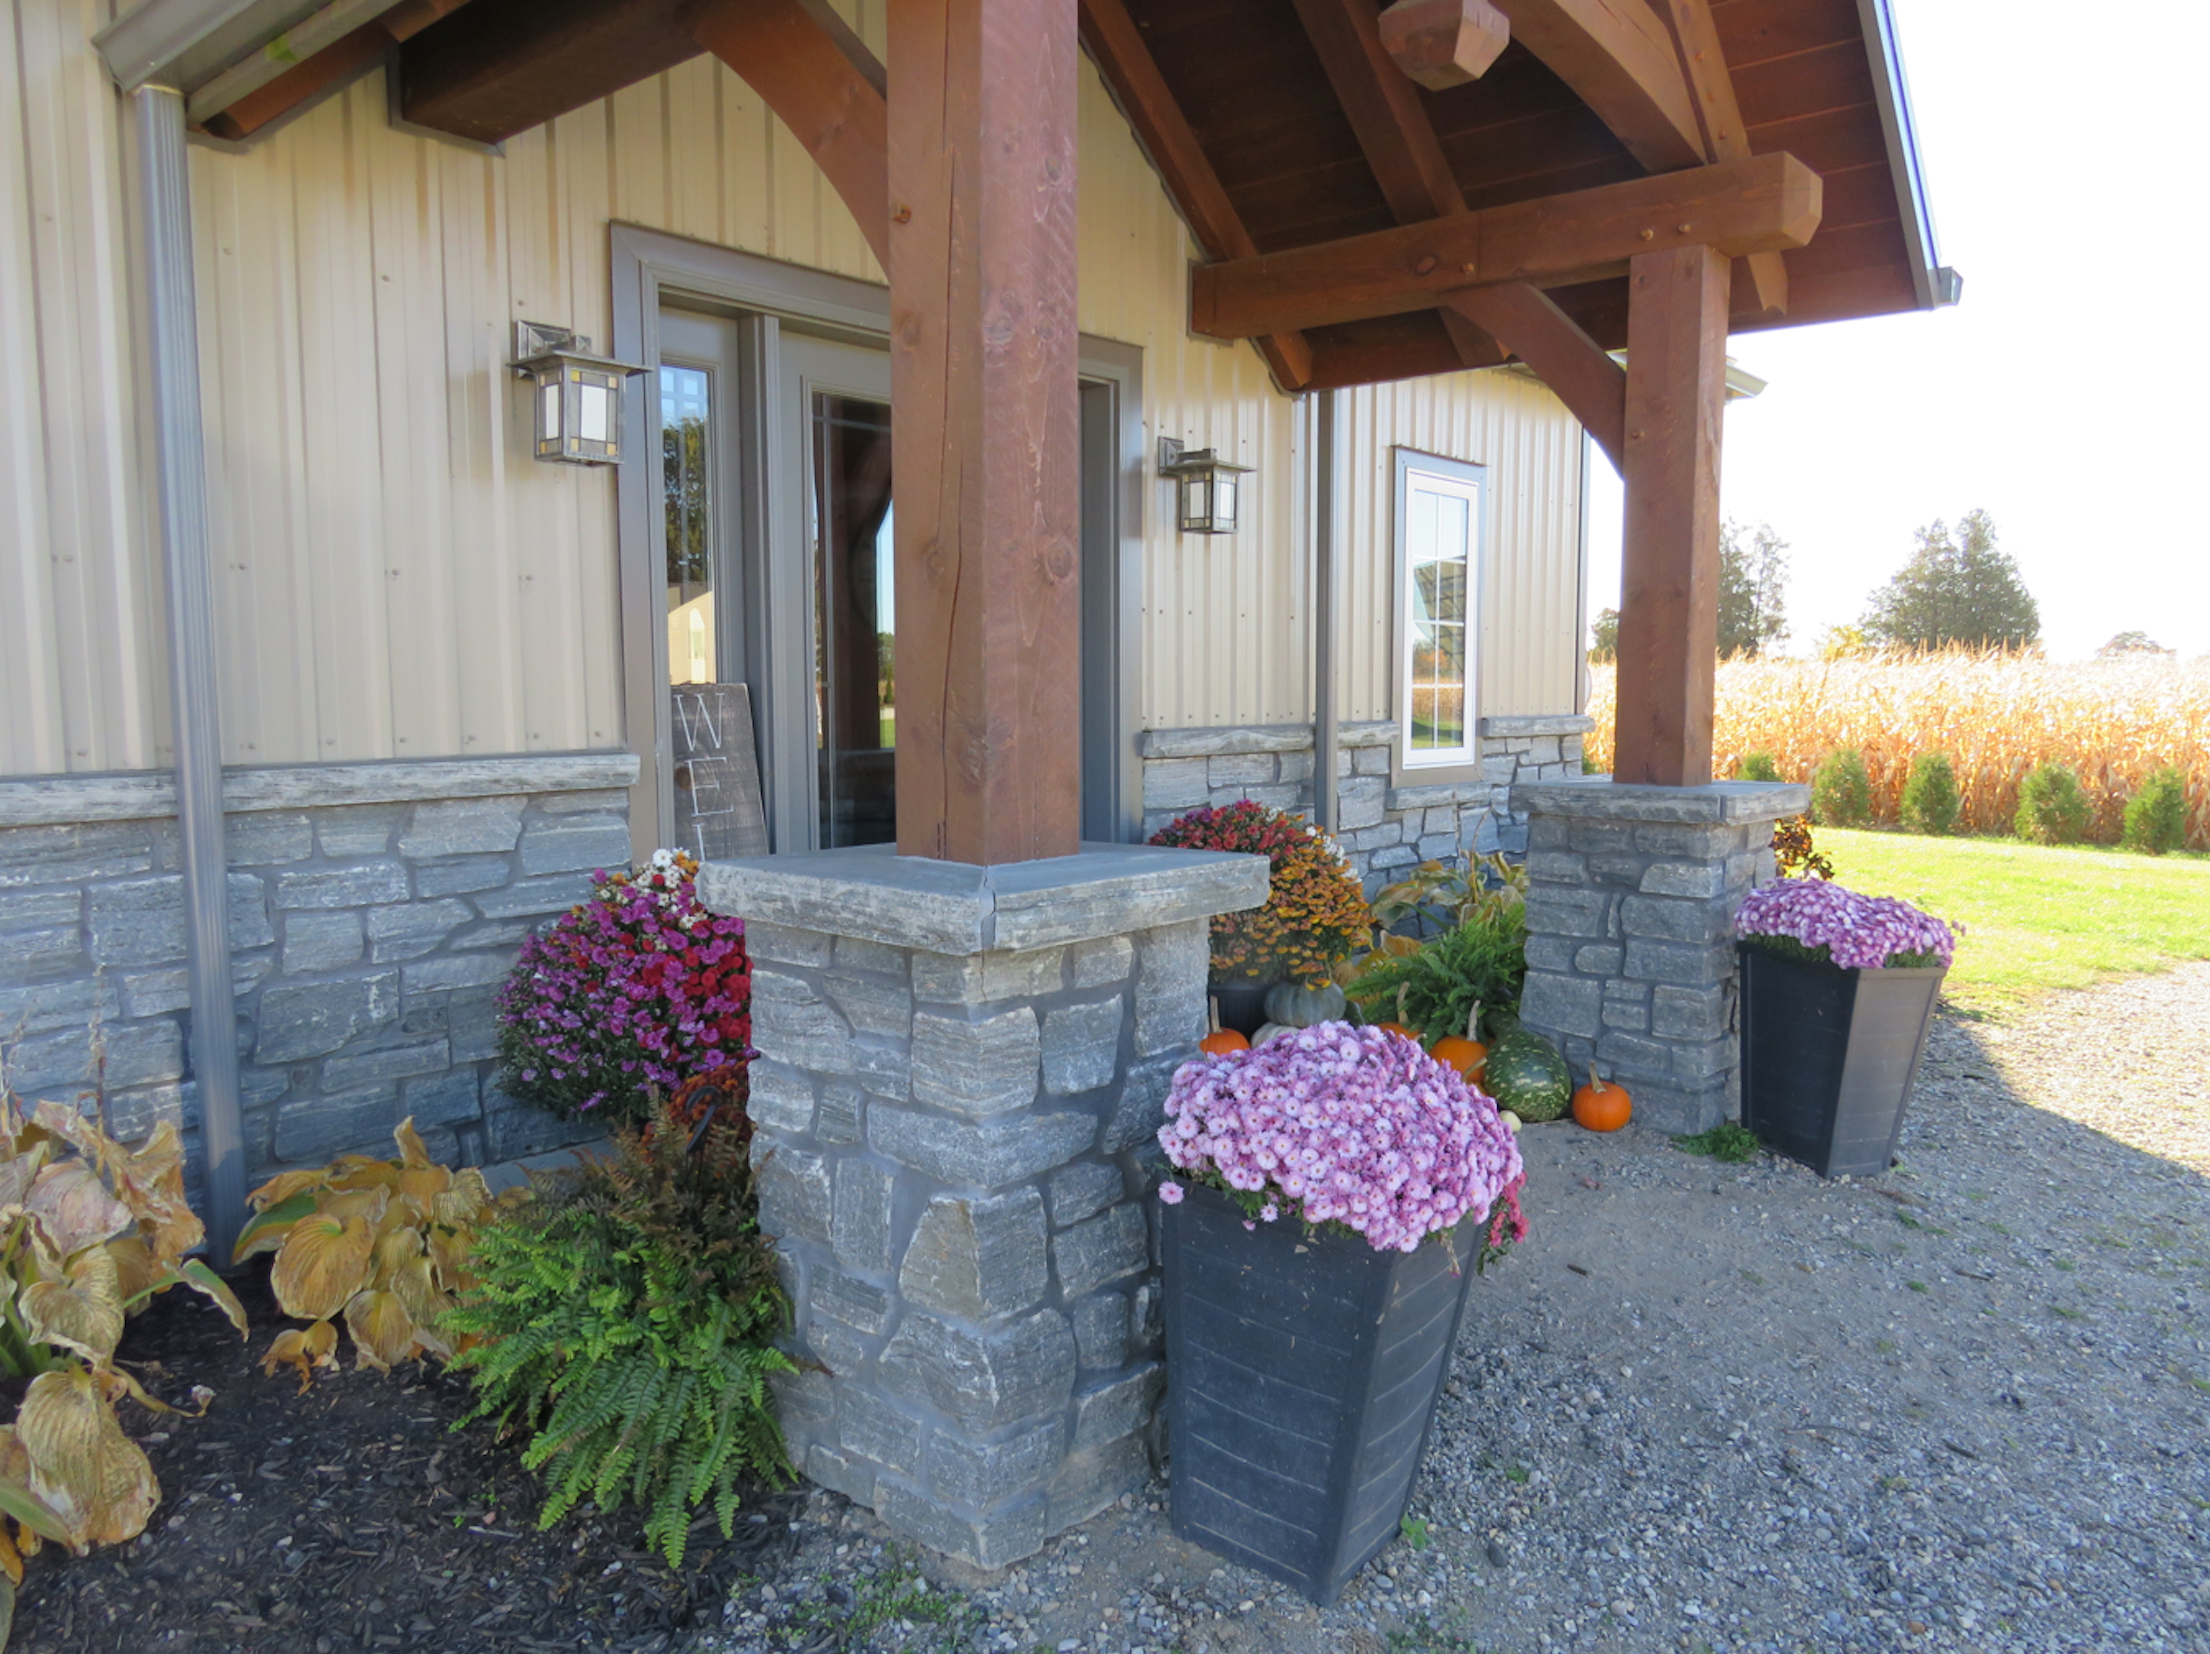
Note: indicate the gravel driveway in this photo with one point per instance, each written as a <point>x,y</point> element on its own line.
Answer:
<point>1732,1408</point>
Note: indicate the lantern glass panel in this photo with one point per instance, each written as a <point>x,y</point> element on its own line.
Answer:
<point>548,415</point>
<point>1223,505</point>
<point>1196,503</point>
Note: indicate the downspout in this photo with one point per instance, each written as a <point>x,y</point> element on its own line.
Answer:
<point>1324,723</point>
<point>180,469</point>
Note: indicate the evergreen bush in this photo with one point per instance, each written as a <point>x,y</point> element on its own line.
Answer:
<point>2156,816</point>
<point>2051,807</point>
<point>1930,798</point>
<point>1757,766</point>
<point>628,1314</point>
<point>1841,792</point>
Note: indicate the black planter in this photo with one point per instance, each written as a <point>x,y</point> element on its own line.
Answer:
<point>1242,1003</point>
<point>1301,1382</point>
<point>1828,1057</point>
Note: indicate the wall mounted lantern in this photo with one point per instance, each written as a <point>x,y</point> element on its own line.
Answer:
<point>1205,488</point>
<point>578,396</point>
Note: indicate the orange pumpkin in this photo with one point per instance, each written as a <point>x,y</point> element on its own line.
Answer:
<point>1464,1052</point>
<point>1400,1027</point>
<point>1221,1040</point>
<point>1602,1107</point>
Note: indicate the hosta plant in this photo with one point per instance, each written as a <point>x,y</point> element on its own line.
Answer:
<point>627,1314</point>
<point>385,1243</point>
<point>1436,895</point>
<point>90,1231</point>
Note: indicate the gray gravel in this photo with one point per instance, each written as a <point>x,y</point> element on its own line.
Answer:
<point>1735,1408</point>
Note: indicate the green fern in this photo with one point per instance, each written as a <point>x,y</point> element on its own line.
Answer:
<point>628,1315</point>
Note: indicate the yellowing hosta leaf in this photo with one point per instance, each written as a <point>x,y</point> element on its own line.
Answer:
<point>383,1331</point>
<point>203,1280</point>
<point>305,1348</point>
<point>286,1186</point>
<point>75,1208</point>
<point>135,1270</point>
<point>415,1284</point>
<point>413,1153</point>
<point>449,1251</point>
<point>463,1203</point>
<point>97,1481</point>
<point>266,1232</point>
<point>369,1204</point>
<point>393,1250</point>
<point>152,1184</point>
<point>358,1171</point>
<point>17,1171</point>
<point>83,1313</point>
<point>323,1262</point>
<point>420,1186</point>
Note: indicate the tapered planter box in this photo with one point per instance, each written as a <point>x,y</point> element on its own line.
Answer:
<point>1301,1383</point>
<point>1829,1057</point>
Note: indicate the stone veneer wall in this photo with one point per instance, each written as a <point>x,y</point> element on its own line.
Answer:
<point>954,1112</point>
<point>374,910</point>
<point>1383,828</point>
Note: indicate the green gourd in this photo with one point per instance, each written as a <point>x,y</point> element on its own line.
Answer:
<point>1294,1005</point>
<point>1526,1074</point>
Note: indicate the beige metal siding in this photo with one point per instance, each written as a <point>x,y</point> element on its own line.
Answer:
<point>83,666</point>
<point>1530,600</point>
<point>399,579</point>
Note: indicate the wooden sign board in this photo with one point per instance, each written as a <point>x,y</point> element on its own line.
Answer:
<point>718,808</point>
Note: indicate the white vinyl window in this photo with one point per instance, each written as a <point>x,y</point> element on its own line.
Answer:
<point>1439,553</point>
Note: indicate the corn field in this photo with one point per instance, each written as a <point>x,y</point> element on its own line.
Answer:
<point>1997,716</point>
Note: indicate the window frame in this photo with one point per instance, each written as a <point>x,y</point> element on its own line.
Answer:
<point>1463,763</point>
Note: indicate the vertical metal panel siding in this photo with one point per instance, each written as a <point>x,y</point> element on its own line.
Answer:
<point>83,664</point>
<point>1531,448</point>
<point>400,578</point>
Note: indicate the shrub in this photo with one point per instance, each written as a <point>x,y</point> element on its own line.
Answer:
<point>385,1242</point>
<point>1481,962</point>
<point>1929,802</point>
<point>627,1313</point>
<point>2156,816</point>
<point>1841,792</point>
<point>1316,912</point>
<point>2051,807</point>
<point>639,987</point>
<point>1757,766</point>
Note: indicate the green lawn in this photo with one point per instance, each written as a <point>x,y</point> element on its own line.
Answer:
<point>2036,918</point>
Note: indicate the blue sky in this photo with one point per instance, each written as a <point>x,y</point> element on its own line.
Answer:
<point>2060,158</point>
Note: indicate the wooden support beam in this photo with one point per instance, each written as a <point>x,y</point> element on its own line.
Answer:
<point>824,84</point>
<point>1749,206</point>
<point>1116,45</point>
<point>498,67</point>
<point>238,118</point>
<point>1669,600</point>
<point>1711,89</point>
<point>985,430</point>
<point>1525,321</point>
<point>1619,59</point>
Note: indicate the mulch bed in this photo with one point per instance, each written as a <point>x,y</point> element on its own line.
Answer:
<point>354,1517</point>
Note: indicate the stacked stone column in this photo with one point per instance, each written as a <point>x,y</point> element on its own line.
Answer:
<point>961,1070</point>
<point>1630,940</point>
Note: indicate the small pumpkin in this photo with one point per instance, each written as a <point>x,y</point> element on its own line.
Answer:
<point>1220,1041</point>
<point>1463,1052</point>
<point>1601,1107</point>
<point>1512,1122</point>
<point>1297,1006</point>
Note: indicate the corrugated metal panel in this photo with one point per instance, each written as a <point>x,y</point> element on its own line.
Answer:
<point>83,663</point>
<point>1531,448</point>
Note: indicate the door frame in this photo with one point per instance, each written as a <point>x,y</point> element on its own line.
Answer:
<point>651,268</point>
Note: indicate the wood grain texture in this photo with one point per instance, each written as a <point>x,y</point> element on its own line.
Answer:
<point>1753,205</point>
<point>1711,87</point>
<point>825,87</point>
<point>1528,323</point>
<point>985,427</point>
<point>1669,599</point>
<point>1443,43</point>
<point>498,67</point>
<point>1618,56</point>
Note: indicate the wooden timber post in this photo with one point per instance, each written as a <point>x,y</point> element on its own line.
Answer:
<point>1669,601</point>
<point>985,427</point>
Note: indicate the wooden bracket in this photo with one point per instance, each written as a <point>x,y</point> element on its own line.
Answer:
<point>1525,321</point>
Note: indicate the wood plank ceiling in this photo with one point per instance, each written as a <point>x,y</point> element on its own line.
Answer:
<point>1240,113</point>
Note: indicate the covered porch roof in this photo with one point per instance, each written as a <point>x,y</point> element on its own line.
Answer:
<point>1300,155</point>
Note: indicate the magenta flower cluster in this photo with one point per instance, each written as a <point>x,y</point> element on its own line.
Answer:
<point>1336,1124</point>
<point>639,987</point>
<point>1857,932</point>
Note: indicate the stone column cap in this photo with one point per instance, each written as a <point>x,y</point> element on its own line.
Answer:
<point>877,895</point>
<point>1600,798</point>
<point>1506,726</point>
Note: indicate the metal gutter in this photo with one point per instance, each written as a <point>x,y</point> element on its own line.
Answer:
<point>151,37</point>
<point>180,474</point>
<point>1935,284</point>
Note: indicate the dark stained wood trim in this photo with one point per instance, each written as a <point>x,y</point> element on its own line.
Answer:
<point>1116,46</point>
<point>1669,597</point>
<point>1528,323</point>
<point>343,57</point>
<point>1711,86</point>
<point>1755,205</point>
<point>498,67</point>
<point>826,87</point>
<point>1384,109</point>
<point>1619,59</point>
<point>984,119</point>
